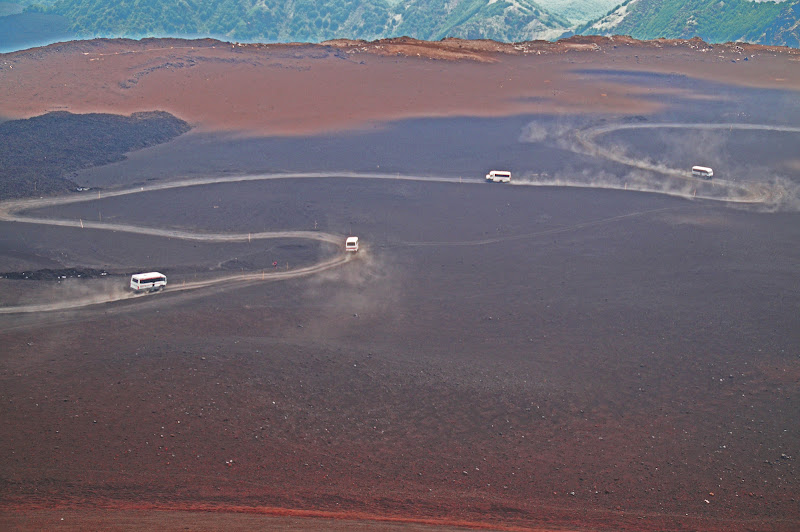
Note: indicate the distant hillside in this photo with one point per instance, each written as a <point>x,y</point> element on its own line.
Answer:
<point>579,11</point>
<point>763,22</point>
<point>25,30</point>
<point>711,20</point>
<point>22,30</point>
<point>520,20</point>
<point>310,20</point>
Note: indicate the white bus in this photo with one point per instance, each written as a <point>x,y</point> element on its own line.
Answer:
<point>499,176</point>
<point>351,244</point>
<point>151,281</point>
<point>702,171</point>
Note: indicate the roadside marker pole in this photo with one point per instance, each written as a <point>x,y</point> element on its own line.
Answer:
<point>81,222</point>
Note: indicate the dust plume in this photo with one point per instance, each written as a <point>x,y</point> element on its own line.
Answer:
<point>368,288</point>
<point>67,294</point>
<point>541,131</point>
<point>693,142</point>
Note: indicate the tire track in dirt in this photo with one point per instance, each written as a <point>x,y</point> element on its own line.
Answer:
<point>554,231</point>
<point>12,211</point>
<point>730,192</point>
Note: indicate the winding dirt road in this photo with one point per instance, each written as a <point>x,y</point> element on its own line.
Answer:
<point>12,211</point>
<point>729,192</point>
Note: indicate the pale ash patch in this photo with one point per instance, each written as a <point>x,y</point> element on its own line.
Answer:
<point>613,19</point>
<point>544,34</point>
<point>515,4</point>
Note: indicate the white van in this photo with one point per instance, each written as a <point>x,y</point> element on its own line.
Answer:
<point>351,244</point>
<point>702,171</point>
<point>499,176</point>
<point>151,281</point>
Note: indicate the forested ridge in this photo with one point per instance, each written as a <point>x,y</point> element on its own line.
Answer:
<point>763,22</point>
<point>711,20</point>
<point>309,20</point>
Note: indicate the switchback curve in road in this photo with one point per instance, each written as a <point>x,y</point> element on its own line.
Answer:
<point>10,211</point>
<point>768,194</point>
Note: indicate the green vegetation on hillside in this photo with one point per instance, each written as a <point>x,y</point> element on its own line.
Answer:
<point>711,20</point>
<point>308,20</point>
<point>764,22</point>
<point>477,19</point>
<point>579,11</point>
<point>786,28</point>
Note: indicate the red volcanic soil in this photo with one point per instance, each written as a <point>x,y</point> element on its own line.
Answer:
<point>500,357</point>
<point>614,362</point>
<point>300,89</point>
